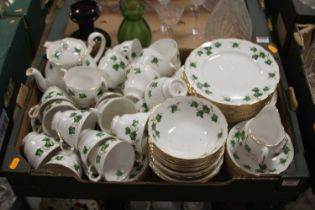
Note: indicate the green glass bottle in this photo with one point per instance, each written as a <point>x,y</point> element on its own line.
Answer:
<point>134,25</point>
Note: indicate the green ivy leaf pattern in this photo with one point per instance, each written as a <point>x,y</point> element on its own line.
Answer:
<point>235,45</point>
<point>39,152</point>
<point>193,65</point>
<point>262,168</point>
<point>122,65</point>
<point>73,114</point>
<point>204,86</point>
<point>173,108</point>
<point>247,148</point>
<point>48,143</point>
<point>262,55</point>
<point>104,146</point>
<point>82,95</point>
<point>255,56</point>
<point>77,118</point>
<point>214,117</point>
<point>246,98</point>
<point>49,106</point>
<point>87,62</point>
<point>116,66</point>
<point>220,135</point>
<point>49,95</point>
<point>194,104</point>
<point>113,58</point>
<point>133,55</point>
<point>236,156</point>
<point>253,49</point>
<point>233,143</point>
<point>77,50</point>
<point>85,150</point>
<point>268,62</point>
<point>58,101</point>
<point>155,60</point>
<point>98,159</point>
<point>156,132</point>
<point>131,131</point>
<point>60,94</point>
<point>271,75</point>
<point>227,99</point>
<point>145,107</point>
<point>100,134</point>
<point>71,130</point>
<point>119,173</point>
<point>266,88</point>
<point>283,160</point>
<point>57,54</point>
<point>71,92</point>
<point>151,87</point>
<point>257,92</point>
<point>199,52</point>
<point>217,44</point>
<point>76,167</point>
<point>286,149</point>
<point>59,157</point>
<point>239,136</point>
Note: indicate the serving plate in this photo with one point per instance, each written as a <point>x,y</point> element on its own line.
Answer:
<point>232,71</point>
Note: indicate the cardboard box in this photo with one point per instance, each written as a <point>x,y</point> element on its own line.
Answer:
<point>15,57</point>
<point>34,16</point>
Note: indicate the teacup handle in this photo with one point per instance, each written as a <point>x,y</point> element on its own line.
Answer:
<point>33,112</point>
<point>91,176</point>
<point>62,144</point>
<point>264,155</point>
<point>37,127</point>
<point>91,44</point>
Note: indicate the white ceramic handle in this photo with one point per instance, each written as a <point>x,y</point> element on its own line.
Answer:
<point>33,112</point>
<point>91,42</point>
<point>91,176</point>
<point>264,155</point>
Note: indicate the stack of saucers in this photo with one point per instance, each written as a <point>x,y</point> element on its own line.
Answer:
<point>186,138</point>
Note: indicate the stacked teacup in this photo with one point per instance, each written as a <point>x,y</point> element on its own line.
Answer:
<point>259,146</point>
<point>100,112</point>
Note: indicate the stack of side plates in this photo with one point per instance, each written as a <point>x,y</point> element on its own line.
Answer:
<point>236,75</point>
<point>186,139</point>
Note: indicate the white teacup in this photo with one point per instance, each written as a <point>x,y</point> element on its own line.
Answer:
<point>49,112</point>
<point>162,88</point>
<point>169,48</point>
<point>88,140</point>
<point>69,125</point>
<point>52,94</point>
<point>113,161</point>
<point>114,65</point>
<point>83,84</point>
<point>138,76</point>
<point>142,106</point>
<point>157,61</point>
<point>38,148</point>
<point>106,95</point>
<point>109,108</point>
<point>130,49</point>
<point>131,128</point>
<point>265,134</point>
<point>65,163</point>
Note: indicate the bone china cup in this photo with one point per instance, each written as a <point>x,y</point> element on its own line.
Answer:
<point>49,112</point>
<point>265,134</point>
<point>109,108</point>
<point>157,61</point>
<point>160,89</point>
<point>65,163</point>
<point>131,128</point>
<point>114,65</point>
<point>69,125</point>
<point>129,49</point>
<point>83,84</point>
<point>113,161</point>
<point>88,140</point>
<point>38,148</point>
<point>138,76</point>
<point>52,94</point>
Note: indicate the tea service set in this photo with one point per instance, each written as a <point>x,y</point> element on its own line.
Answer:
<point>110,117</point>
<point>82,124</point>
